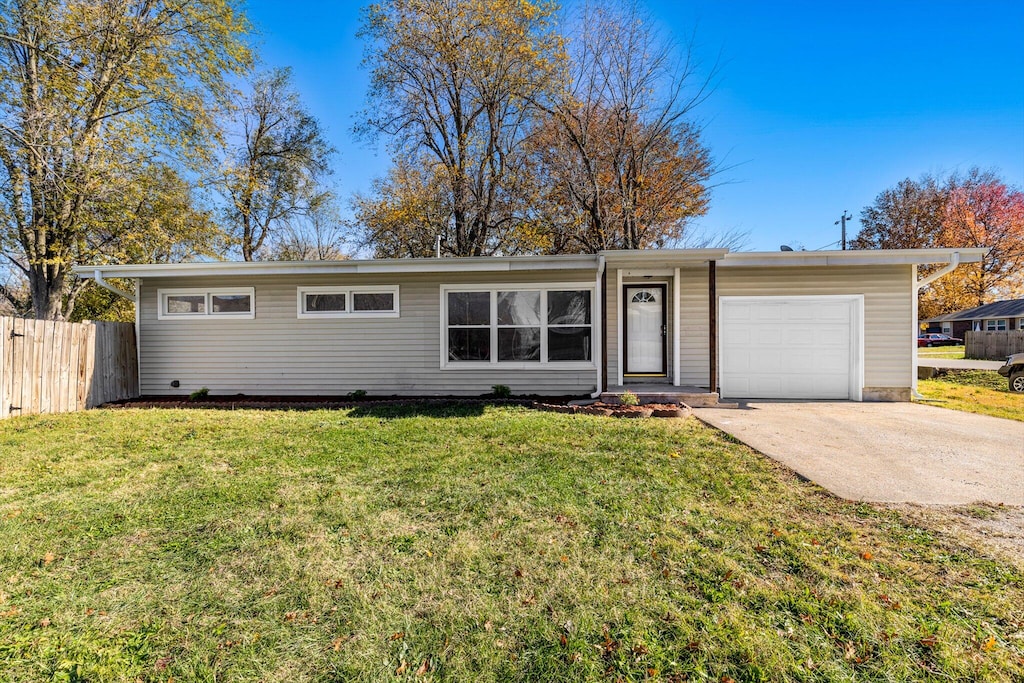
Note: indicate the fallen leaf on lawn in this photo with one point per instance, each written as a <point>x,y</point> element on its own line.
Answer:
<point>815,541</point>
<point>726,679</point>
<point>866,555</point>
<point>12,514</point>
<point>518,573</point>
<point>673,455</point>
<point>530,600</point>
<point>564,558</point>
<point>398,636</point>
<point>401,669</point>
<point>11,612</point>
<point>651,673</point>
<point>575,657</point>
<point>338,642</point>
<point>424,667</point>
<point>666,573</point>
<point>290,616</point>
<point>989,644</point>
<point>44,622</point>
<point>563,640</point>
<point>929,641</point>
<point>488,626</point>
<point>48,558</point>
<point>776,533</point>
<point>162,663</point>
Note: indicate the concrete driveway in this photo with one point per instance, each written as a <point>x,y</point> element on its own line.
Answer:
<point>886,452</point>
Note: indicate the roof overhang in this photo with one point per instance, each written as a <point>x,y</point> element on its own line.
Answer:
<point>661,258</point>
<point>483,264</point>
<point>853,257</point>
<point>648,258</point>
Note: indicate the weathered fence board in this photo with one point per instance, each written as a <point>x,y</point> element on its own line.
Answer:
<point>56,367</point>
<point>993,345</point>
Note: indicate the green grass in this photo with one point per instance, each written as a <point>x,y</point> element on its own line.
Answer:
<point>985,392</point>
<point>954,352</point>
<point>465,544</point>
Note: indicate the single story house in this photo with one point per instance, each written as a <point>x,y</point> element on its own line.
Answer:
<point>1001,316</point>
<point>806,325</point>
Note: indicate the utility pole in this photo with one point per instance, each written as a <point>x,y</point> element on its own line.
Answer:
<point>843,219</point>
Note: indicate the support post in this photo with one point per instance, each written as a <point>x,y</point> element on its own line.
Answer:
<point>712,327</point>
<point>675,328</point>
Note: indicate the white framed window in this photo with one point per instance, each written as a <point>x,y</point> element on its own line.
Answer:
<point>947,328</point>
<point>1020,323</point>
<point>348,302</point>
<point>204,303</point>
<point>995,325</point>
<point>517,326</point>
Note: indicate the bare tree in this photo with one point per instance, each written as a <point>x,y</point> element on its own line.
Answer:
<point>274,176</point>
<point>320,237</point>
<point>452,87</point>
<point>620,154</point>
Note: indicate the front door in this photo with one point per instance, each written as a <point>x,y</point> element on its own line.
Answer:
<point>644,338</point>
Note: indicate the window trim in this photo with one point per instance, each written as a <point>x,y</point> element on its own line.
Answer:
<point>494,363</point>
<point>348,291</point>
<point>994,322</point>
<point>209,293</point>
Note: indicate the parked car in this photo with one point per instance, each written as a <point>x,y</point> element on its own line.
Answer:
<point>1014,372</point>
<point>936,339</point>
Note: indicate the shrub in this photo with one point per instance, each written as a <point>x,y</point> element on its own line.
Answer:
<point>357,394</point>
<point>501,391</point>
<point>628,398</point>
<point>199,394</point>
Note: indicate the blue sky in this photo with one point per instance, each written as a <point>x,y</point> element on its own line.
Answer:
<point>819,106</point>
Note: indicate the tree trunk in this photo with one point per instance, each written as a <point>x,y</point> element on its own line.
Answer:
<point>47,286</point>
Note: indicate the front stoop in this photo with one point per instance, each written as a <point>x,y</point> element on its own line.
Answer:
<point>695,397</point>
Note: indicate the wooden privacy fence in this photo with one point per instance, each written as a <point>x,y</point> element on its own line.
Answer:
<point>993,345</point>
<point>55,367</point>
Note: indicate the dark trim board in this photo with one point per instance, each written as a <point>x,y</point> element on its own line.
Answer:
<point>625,329</point>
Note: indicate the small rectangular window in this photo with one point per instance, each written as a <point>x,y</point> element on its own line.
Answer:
<point>325,303</point>
<point>995,325</point>
<point>206,303</point>
<point>348,302</point>
<point>186,303</point>
<point>373,301</point>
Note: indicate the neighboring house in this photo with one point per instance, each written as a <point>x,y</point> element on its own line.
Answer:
<point>812,325</point>
<point>1000,316</point>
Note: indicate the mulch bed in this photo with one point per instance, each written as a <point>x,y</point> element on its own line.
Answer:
<point>619,410</point>
<point>560,404</point>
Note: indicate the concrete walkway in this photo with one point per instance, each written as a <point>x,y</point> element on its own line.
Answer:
<point>886,452</point>
<point>959,364</point>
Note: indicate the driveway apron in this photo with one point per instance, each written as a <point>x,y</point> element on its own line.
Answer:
<point>886,452</point>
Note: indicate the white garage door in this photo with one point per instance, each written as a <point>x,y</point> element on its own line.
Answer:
<point>791,347</point>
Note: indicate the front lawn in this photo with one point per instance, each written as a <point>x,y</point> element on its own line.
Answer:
<point>465,544</point>
<point>944,352</point>
<point>985,392</point>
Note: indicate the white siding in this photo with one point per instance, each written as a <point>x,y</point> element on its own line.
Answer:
<point>277,353</point>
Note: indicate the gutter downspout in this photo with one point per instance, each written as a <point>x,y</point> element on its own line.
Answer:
<point>599,324</point>
<point>954,261</point>
<point>98,277</point>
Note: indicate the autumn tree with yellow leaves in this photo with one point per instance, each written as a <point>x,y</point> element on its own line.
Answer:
<point>97,95</point>
<point>974,209</point>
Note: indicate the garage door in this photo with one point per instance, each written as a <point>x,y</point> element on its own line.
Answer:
<point>802,347</point>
